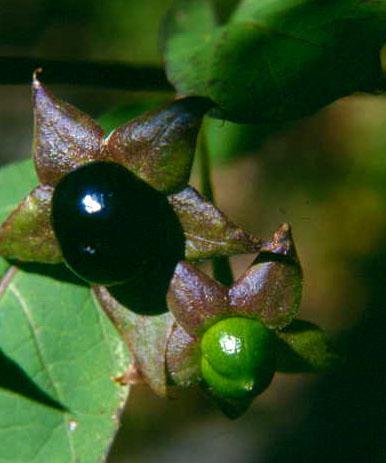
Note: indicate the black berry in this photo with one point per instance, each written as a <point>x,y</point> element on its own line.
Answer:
<point>113,227</point>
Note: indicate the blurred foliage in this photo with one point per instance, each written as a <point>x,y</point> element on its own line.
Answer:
<point>124,113</point>
<point>274,60</point>
<point>107,29</point>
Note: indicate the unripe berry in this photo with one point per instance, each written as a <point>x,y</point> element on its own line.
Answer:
<point>238,358</point>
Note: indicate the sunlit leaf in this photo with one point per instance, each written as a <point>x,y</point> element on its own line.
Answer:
<point>61,343</point>
<point>59,357</point>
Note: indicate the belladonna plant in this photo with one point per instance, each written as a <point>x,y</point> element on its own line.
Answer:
<point>118,211</point>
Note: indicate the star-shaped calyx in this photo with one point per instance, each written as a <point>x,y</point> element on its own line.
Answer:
<point>158,147</point>
<point>231,340</point>
<point>268,295</point>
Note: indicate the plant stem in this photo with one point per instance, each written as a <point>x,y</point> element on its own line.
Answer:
<point>18,70</point>
<point>222,270</point>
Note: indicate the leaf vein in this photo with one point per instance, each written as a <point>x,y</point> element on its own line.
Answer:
<point>39,350</point>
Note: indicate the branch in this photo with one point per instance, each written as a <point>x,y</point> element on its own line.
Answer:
<point>18,70</point>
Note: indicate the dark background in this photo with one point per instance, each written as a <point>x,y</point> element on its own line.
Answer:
<point>325,175</point>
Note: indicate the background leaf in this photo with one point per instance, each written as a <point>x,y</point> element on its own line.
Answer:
<point>16,181</point>
<point>122,114</point>
<point>228,141</point>
<point>275,60</point>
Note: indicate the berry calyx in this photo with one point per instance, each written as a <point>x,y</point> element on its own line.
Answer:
<point>238,358</point>
<point>112,227</point>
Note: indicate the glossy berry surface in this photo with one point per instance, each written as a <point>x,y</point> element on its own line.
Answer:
<point>238,358</point>
<point>113,227</point>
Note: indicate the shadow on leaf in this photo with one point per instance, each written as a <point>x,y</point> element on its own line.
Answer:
<point>55,271</point>
<point>14,378</point>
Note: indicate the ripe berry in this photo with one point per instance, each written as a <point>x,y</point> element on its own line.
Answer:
<point>238,358</point>
<point>112,226</point>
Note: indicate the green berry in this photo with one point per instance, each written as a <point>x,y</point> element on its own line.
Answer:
<point>238,358</point>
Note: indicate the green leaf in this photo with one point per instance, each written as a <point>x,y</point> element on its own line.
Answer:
<point>305,348</point>
<point>16,181</point>
<point>59,355</point>
<point>59,337</point>
<point>275,60</point>
<point>26,235</point>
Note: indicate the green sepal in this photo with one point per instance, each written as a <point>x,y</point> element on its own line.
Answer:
<point>16,181</point>
<point>303,347</point>
<point>27,234</point>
